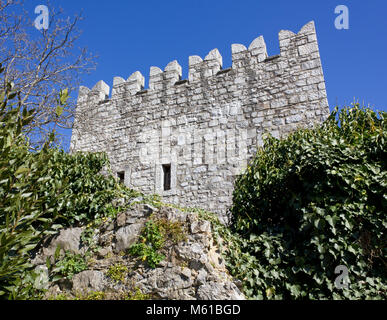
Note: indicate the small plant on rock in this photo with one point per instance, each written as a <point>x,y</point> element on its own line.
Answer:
<point>154,236</point>
<point>87,237</point>
<point>136,295</point>
<point>171,230</point>
<point>60,296</point>
<point>70,265</point>
<point>117,272</point>
<point>151,240</point>
<point>94,295</point>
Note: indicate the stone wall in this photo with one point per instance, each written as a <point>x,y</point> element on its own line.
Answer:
<point>205,129</point>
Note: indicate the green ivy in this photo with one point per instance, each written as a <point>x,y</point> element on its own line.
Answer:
<point>310,202</point>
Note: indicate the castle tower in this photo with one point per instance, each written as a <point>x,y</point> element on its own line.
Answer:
<point>187,140</point>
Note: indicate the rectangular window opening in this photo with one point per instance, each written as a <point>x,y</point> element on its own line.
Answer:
<point>167,176</point>
<point>121,177</point>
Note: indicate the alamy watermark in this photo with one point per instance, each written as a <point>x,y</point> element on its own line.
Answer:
<point>342,281</point>
<point>215,144</point>
<point>43,18</point>
<point>342,20</point>
<point>201,146</point>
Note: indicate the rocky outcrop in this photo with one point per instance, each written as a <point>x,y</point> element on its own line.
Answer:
<point>192,267</point>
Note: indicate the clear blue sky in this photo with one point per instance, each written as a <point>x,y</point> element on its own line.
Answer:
<point>134,35</point>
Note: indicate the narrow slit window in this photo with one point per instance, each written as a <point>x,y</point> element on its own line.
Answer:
<point>167,176</point>
<point>121,176</point>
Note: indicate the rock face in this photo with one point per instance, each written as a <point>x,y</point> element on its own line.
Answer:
<point>192,268</point>
<point>126,236</point>
<point>89,280</point>
<point>67,239</point>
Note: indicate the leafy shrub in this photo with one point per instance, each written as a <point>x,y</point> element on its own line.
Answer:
<point>311,202</point>
<point>79,193</point>
<point>21,205</point>
<point>43,191</point>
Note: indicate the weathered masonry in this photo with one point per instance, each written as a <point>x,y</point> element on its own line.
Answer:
<point>188,139</point>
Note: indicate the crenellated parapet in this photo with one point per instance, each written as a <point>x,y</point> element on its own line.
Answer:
<point>292,46</point>
<point>255,53</point>
<point>200,69</point>
<point>98,93</point>
<point>159,79</point>
<point>300,44</point>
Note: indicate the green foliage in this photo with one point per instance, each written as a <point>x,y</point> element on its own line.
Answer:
<point>136,295</point>
<point>154,237</point>
<point>69,265</point>
<point>22,210</point>
<point>172,231</point>
<point>151,235</point>
<point>78,192</point>
<point>117,272</point>
<point>147,253</point>
<point>94,295</point>
<point>61,296</point>
<point>87,237</point>
<point>151,241</point>
<point>27,287</point>
<point>311,202</point>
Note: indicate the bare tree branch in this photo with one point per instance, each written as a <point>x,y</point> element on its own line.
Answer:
<point>41,63</point>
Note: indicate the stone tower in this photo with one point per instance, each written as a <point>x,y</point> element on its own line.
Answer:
<point>188,139</point>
